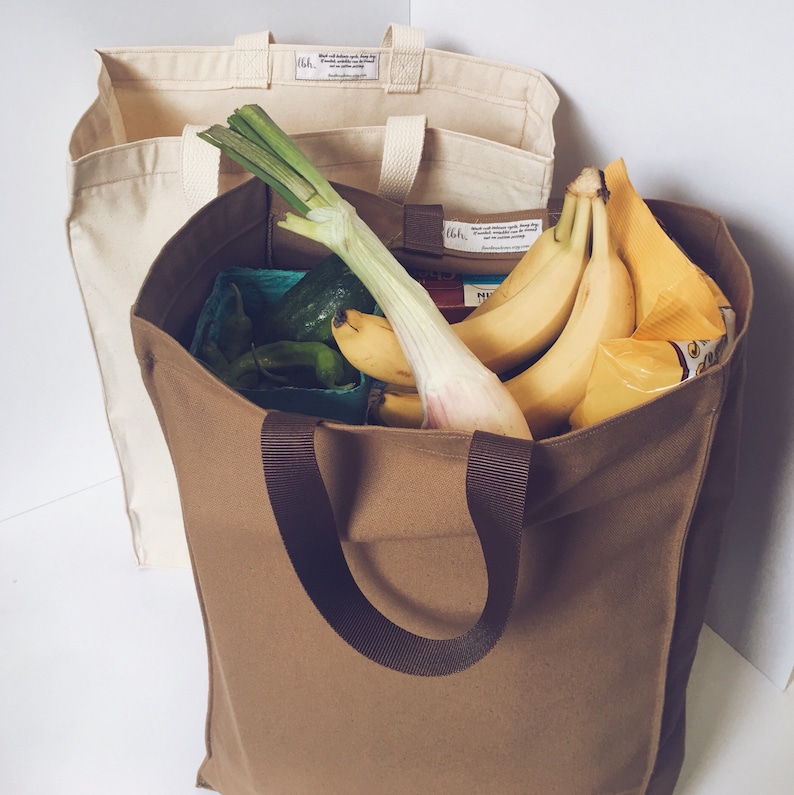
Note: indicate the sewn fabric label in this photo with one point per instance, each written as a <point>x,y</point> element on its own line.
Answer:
<point>327,65</point>
<point>510,237</point>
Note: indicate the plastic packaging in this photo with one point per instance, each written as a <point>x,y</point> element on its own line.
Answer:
<point>260,289</point>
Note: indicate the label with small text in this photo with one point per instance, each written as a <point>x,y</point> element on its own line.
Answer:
<point>314,65</point>
<point>507,237</point>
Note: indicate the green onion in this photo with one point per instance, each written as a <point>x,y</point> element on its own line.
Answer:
<point>457,391</point>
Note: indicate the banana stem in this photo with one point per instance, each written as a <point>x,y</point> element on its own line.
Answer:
<point>601,245</point>
<point>580,234</point>
<point>602,242</point>
<point>562,229</point>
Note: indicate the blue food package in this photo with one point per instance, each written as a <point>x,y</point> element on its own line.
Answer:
<point>260,289</point>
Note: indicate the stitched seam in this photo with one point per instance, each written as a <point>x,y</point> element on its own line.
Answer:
<point>665,662</point>
<point>125,179</point>
<point>539,160</point>
<point>354,85</point>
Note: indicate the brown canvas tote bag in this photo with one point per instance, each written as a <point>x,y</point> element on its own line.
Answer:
<point>399,611</point>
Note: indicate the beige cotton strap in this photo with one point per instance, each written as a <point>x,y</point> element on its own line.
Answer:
<point>408,48</point>
<point>199,167</point>
<point>403,143</point>
<point>252,65</point>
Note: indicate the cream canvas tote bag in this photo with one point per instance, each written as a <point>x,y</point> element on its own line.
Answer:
<point>411,123</point>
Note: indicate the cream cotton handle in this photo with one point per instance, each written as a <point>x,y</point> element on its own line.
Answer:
<point>402,154</point>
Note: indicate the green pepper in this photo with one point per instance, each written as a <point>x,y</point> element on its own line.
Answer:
<point>236,330</point>
<point>266,378</point>
<point>327,364</point>
<point>247,381</point>
<point>212,358</point>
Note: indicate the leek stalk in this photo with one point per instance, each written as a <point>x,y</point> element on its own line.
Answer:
<point>457,391</point>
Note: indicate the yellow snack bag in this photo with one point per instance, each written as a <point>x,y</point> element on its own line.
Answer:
<point>684,320</point>
<point>628,372</point>
<point>673,299</point>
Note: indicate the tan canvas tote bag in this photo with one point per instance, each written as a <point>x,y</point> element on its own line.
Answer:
<point>410,122</point>
<point>400,611</point>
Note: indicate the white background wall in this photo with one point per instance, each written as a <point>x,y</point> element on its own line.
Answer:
<point>697,97</point>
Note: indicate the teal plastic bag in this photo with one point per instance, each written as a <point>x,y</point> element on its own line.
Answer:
<point>260,289</point>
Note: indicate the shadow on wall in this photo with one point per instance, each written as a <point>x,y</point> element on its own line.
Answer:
<point>573,149</point>
<point>752,534</point>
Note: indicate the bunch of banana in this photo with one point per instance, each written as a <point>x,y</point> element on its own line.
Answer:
<point>514,324</point>
<point>548,390</point>
<point>551,242</point>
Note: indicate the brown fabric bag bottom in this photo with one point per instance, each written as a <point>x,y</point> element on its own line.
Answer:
<point>584,693</point>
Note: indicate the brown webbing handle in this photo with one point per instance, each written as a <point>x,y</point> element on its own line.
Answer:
<point>496,481</point>
<point>423,228</point>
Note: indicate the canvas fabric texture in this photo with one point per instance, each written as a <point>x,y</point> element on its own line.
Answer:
<point>419,124</point>
<point>379,660</point>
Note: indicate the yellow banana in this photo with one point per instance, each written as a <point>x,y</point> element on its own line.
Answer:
<point>550,242</point>
<point>369,343</point>
<point>552,387</point>
<point>502,338</point>
<point>398,409</point>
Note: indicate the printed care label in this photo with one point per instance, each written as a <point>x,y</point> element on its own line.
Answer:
<point>511,237</point>
<point>312,65</point>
